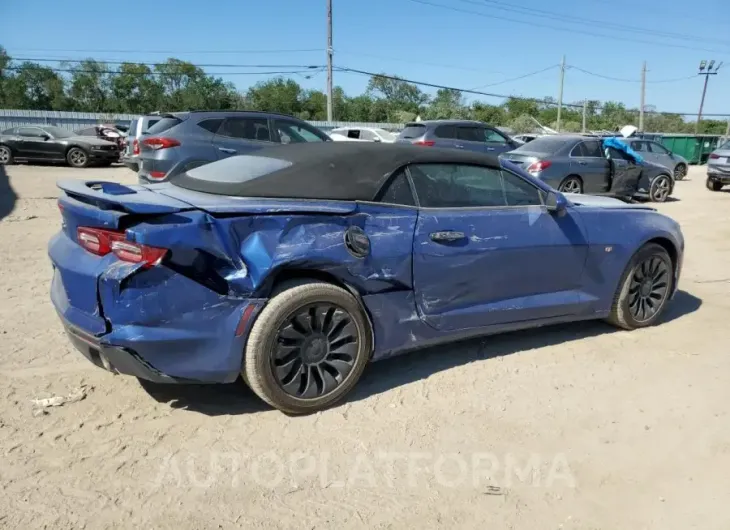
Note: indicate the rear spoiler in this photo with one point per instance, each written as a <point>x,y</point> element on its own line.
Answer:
<point>114,196</point>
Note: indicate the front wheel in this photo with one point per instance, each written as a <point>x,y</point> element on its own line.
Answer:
<point>77,157</point>
<point>307,348</point>
<point>713,185</point>
<point>644,290</point>
<point>571,185</point>
<point>680,172</point>
<point>661,188</point>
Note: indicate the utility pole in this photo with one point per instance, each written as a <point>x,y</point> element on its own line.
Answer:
<point>329,60</point>
<point>707,71</point>
<point>585,110</point>
<point>560,91</point>
<point>643,98</point>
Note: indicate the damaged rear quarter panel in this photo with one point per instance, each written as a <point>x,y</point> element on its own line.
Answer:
<point>186,329</point>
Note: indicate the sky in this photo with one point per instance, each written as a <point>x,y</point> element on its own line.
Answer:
<point>459,43</point>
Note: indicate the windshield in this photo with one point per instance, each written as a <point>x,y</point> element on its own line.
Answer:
<point>726,145</point>
<point>57,132</point>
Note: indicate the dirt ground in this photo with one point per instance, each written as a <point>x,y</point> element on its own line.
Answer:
<point>570,427</point>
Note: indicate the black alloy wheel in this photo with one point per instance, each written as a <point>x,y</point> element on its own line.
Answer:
<point>649,288</point>
<point>315,350</point>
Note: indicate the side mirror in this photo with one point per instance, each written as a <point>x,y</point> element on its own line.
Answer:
<point>46,136</point>
<point>377,139</point>
<point>556,203</point>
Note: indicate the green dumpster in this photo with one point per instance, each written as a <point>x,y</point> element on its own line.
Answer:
<point>695,148</point>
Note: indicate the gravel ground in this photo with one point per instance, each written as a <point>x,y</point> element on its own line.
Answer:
<point>572,427</point>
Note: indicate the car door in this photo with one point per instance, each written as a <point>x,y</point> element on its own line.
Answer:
<point>661,155</point>
<point>486,250</point>
<point>242,135</point>
<point>588,161</point>
<point>496,142</point>
<point>625,174</point>
<point>32,143</point>
<point>445,136</point>
<point>470,138</point>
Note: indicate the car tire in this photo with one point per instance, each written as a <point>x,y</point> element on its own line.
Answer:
<point>713,185</point>
<point>648,279</point>
<point>680,171</point>
<point>6,156</point>
<point>77,157</point>
<point>661,188</point>
<point>308,347</point>
<point>571,184</point>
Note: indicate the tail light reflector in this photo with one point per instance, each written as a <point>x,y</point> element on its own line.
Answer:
<point>540,165</point>
<point>160,142</point>
<point>157,174</point>
<point>427,143</point>
<point>714,156</point>
<point>135,147</point>
<point>102,242</point>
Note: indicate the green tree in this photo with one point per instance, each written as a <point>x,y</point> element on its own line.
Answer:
<point>447,104</point>
<point>90,87</point>
<point>276,95</point>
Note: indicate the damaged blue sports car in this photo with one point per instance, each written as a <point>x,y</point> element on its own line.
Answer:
<point>297,265</point>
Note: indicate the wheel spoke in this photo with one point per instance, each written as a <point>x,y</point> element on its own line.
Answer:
<point>291,374</point>
<point>338,368</point>
<point>330,378</point>
<point>290,335</point>
<point>309,388</point>
<point>341,322</point>
<point>346,345</point>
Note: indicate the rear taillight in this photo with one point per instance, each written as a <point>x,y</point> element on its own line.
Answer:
<point>102,242</point>
<point>135,147</point>
<point>714,156</point>
<point>540,165</point>
<point>159,142</point>
<point>157,174</point>
<point>427,143</point>
<point>136,253</point>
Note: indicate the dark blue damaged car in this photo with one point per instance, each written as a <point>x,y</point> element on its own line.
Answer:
<point>298,265</point>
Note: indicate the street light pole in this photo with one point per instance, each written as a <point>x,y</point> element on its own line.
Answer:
<point>706,70</point>
<point>329,61</point>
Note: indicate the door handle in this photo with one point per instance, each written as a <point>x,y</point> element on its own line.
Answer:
<point>459,146</point>
<point>582,163</point>
<point>226,150</point>
<point>447,236</point>
<point>490,148</point>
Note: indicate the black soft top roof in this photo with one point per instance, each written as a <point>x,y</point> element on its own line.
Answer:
<point>348,171</point>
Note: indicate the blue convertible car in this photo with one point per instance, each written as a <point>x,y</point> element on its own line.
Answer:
<point>298,265</point>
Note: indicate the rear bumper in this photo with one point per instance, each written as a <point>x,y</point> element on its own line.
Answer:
<point>717,175</point>
<point>131,163</point>
<point>115,359</point>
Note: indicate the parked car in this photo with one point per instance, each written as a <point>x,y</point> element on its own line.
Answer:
<point>574,163</point>
<point>53,144</point>
<point>185,140</point>
<point>297,265</point>
<point>657,153</point>
<point>137,128</point>
<point>362,134</point>
<point>105,133</point>
<point>457,134</point>
<point>718,167</point>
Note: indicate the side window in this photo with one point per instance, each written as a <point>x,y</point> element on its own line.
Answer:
<point>353,133</point>
<point>639,147</point>
<point>592,149</point>
<point>470,134</point>
<point>519,192</point>
<point>367,135</point>
<point>398,191</point>
<point>578,150</point>
<point>657,149</point>
<point>494,137</point>
<point>32,132</point>
<point>246,129</point>
<point>211,125</point>
<point>619,155</point>
<point>291,132</point>
<point>457,186</point>
<point>147,126</point>
<point>445,131</point>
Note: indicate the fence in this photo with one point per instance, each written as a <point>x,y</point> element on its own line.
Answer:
<point>79,120</point>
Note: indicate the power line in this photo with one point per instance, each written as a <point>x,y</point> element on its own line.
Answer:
<point>504,96</point>
<point>571,19</point>
<point>163,74</point>
<point>203,65</point>
<point>624,80</point>
<point>517,78</point>
<point>194,52</point>
<point>413,61</point>
<point>571,30</point>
